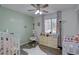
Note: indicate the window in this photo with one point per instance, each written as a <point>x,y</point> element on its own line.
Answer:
<point>50,26</point>
<point>54,26</point>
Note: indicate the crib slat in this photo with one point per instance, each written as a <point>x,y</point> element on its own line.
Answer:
<point>8,44</point>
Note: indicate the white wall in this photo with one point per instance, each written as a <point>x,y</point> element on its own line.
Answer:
<point>69,22</point>
<point>78,21</point>
<point>50,16</point>
<point>38,29</point>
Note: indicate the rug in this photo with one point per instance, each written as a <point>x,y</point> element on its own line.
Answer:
<point>34,51</point>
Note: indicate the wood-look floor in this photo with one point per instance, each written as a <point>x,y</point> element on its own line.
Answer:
<point>48,50</point>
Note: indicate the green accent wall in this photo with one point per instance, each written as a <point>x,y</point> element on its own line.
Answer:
<point>17,23</point>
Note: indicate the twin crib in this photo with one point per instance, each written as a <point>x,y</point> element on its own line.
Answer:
<point>9,45</point>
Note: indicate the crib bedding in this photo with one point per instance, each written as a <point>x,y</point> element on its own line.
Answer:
<point>8,45</point>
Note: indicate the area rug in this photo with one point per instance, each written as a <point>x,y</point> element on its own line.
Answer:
<point>34,51</point>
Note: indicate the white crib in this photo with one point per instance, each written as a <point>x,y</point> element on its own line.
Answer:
<point>9,45</point>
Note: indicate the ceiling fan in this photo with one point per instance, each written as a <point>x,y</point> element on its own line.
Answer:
<point>39,8</point>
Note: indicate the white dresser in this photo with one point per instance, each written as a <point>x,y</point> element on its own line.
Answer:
<point>49,41</point>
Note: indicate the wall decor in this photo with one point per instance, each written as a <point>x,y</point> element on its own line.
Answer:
<point>38,24</point>
<point>25,26</point>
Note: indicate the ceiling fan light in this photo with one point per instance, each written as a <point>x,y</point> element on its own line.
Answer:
<point>40,12</point>
<point>37,12</point>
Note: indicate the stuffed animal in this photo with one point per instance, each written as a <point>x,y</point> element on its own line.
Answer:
<point>76,38</point>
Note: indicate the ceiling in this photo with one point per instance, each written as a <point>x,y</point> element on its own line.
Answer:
<point>24,7</point>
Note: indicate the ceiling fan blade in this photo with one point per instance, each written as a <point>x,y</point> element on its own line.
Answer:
<point>44,6</point>
<point>38,4</point>
<point>45,11</point>
<point>33,5</point>
<point>31,10</point>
